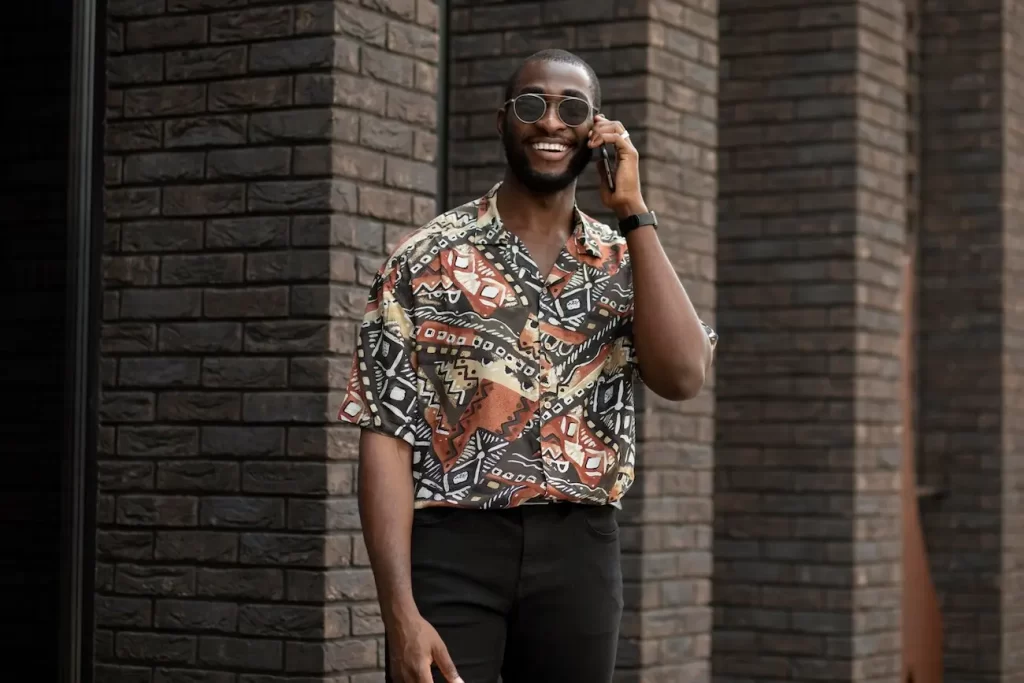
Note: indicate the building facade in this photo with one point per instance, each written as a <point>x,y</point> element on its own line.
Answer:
<point>261,158</point>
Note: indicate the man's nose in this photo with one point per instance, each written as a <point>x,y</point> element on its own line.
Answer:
<point>550,122</point>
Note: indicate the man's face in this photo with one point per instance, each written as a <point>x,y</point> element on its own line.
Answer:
<point>540,170</point>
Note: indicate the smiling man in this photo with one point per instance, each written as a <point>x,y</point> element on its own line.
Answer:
<point>493,382</point>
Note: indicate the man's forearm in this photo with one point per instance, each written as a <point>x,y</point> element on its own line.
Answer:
<point>671,344</point>
<point>386,510</point>
<point>672,349</point>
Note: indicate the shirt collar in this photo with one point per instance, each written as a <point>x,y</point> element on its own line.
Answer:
<point>490,230</point>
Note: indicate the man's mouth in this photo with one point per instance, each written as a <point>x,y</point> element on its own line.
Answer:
<point>551,151</point>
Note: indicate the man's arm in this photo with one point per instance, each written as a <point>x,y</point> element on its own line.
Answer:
<point>382,400</point>
<point>385,507</point>
<point>671,344</point>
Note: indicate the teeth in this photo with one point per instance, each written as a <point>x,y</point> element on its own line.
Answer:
<point>550,147</point>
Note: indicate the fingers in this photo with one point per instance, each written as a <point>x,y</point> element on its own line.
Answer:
<point>622,144</point>
<point>445,664</point>
<point>607,132</point>
<point>604,125</point>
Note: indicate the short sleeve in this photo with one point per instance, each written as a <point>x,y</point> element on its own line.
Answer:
<point>381,394</point>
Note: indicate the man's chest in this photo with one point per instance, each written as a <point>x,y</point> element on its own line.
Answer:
<point>520,373</point>
<point>492,304</point>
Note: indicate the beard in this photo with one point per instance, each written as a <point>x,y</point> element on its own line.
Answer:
<point>534,180</point>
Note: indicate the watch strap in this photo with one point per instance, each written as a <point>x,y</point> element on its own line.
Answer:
<point>630,223</point>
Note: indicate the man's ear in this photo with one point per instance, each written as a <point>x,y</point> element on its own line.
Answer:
<point>499,123</point>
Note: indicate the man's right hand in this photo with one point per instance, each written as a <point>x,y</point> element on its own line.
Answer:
<point>414,645</point>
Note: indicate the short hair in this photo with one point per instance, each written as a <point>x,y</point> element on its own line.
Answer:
<point>561,57</point>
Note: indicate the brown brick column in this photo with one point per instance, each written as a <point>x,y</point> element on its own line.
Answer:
<point>260,158</point>
<point>972,331</point>
<point>811,230</point>
<point>1012,452</point>
<point>657,63</point>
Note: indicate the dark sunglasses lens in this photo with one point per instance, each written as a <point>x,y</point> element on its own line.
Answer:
<point>573,112</point>
<point>530,108</point>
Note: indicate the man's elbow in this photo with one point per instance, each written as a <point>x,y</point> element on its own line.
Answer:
<point>691,382</point>
<point>681,385</point>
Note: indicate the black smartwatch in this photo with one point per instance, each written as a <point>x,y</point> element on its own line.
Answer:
<point>630,223</point>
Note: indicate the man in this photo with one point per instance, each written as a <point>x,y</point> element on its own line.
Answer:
<point>493,382</point>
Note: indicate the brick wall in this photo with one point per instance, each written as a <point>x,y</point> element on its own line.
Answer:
<point>657,63</point>
<point>970,348</point>
<point>671,566</point>
<point>807,509</point>
<point>260,158</point>
<point>1012,541</point>
<point>960,290</point>
<point>876,548</point>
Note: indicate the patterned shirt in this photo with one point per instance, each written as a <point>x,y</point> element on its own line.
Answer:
<point>511,387</point>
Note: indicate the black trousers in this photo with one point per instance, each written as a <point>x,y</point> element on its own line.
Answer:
<point>532,594</point>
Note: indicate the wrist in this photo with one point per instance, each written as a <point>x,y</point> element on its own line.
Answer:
<point>631,208</point>
<point>396,614</point>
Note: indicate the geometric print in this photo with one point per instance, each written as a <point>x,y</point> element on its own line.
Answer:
<point>511,387</point>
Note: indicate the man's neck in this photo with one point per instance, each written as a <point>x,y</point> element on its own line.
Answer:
<point>526,212</point>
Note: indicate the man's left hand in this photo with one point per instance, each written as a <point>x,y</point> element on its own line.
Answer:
<point>627,199</point>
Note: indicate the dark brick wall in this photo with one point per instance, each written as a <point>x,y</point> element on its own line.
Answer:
<point>672,502</point>
<point>1012,581</point>
<point>657,64</point>
<point>970,346</point>
<point>960,290</point>
<point>876,548</point>
<point>260,158</point>
<point>810,236</point>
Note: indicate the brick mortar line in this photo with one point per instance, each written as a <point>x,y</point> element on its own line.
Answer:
<point>163,84</point>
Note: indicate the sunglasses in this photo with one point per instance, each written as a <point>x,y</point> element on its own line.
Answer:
<point>531,107</point>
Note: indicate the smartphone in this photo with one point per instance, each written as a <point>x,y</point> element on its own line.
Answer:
<point>606,165</point>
